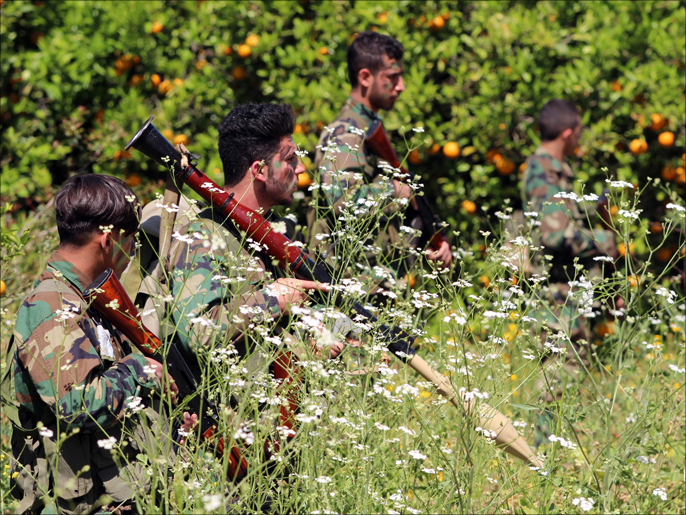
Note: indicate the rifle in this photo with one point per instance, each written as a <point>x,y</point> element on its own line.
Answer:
<point>107,289</point>
<point>149,141</point>
<point>377,141</point>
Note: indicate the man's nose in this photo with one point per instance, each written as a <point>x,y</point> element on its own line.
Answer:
<point>400,87</point>
<point>300,168</point>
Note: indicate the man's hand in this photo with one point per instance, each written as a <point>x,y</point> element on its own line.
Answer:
<point>168,384</point>
<point>442,254</point>
<point>189,424</point>
<point>293,291</point>
<point>402,190</point>
<point>334,350</point>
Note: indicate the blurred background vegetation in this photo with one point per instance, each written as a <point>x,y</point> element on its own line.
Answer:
<point>79,78</point>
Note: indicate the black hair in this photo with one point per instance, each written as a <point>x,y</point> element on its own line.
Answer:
<point>367,51</point>
<point>555,117</point>
<point>87,202</point>
<point>249,133</point>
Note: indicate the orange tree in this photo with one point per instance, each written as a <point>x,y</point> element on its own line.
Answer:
<point>79,77</point>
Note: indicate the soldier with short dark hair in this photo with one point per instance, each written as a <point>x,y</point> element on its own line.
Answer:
<point>547,194</point>
<point>75,375</point>
<point>350,172</point>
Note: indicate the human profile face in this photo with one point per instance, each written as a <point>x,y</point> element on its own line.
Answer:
<point>387,84</point>
<point>124,248</point>
<point>282,174</point>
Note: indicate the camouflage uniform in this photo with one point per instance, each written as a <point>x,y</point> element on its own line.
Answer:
<point>74,372</point>
<point>565,235</point>
<point>350,175</point>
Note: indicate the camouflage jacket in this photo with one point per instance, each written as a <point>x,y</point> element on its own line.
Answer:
<point>70,364</point>
<point>73,371</point>
<point>564,229</point>
<point>350,175</point>
<point>220,285</point>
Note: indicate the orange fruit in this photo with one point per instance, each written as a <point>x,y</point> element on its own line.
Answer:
<point>155,80</point>
<point>638,146</point>
<point>484,280</point>
<point>133,180</point>
<point>244,51</point>
<point>157,27</point>
<point>168,134</point>
<point>382,17</point>
<point>200,64</point>
<point>323,51</point>
<point>304,180</point>
<point>522,167</point>
<point>664,254</point>
<point>435,149</point>
<point>2,288</point>
<point>451,150</point>
<point>655,227</point>
<point>239,73</point>
<point>445,15</point>
<point>252,40</point>
<point>121,154</point>
<point>136,80</point>
<point>437,23</point>
<point>414,158</point>
<point>504,166</point>
<point>165,87</point>
<point>680,175</point>
<point>514,281</point>
<point>666,139</point>
<point>411,280</point>
<point>180,138</point>
<point>605,328</point>
<point>491,155</point>
<point>683,158</point>
<point>298,129</point>
<point>621,248</point>
<point>657,121</point>
<point>633,281</point>
<point>668,173</point>
<point>616,86</point>
<point>469,206</point>
<point>228,50</point>
<point>178,82</point>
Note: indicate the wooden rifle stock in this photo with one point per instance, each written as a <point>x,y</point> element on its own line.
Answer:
<point>377,141</point>
<point>107,296</point>
<point>153,144</point>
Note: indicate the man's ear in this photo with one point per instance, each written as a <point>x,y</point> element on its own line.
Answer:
<point>104,241</point>
<point>365,78</point>
<point>258,171</point>
<point>566,134</point>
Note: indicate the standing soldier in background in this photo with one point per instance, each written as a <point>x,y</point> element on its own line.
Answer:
<point>375,74</point>
<point>564,232</point>
<point>75,375</point>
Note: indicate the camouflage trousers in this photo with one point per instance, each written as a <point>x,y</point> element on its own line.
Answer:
<point>78,476</point>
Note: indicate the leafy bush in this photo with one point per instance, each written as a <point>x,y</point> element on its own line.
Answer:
<point>80,78</point>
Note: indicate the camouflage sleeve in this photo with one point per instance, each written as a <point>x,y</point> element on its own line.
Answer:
<point>345,172</point>
<point>559,230</point>
<point>59,365</point>
<point>217,293</point>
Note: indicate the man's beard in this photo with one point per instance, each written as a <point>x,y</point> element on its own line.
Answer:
<point>280,192</point>
<point>382,100</point>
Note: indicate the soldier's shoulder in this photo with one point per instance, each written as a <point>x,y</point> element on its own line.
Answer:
<point>49,298</point>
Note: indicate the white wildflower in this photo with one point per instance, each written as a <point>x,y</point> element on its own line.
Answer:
<point>44,431</point>
<point>417,455</point>
<point>676,207</point>
<point>661,493</point>
<point>107,443</point>
<point>585,503</point>
<point>212,502</point>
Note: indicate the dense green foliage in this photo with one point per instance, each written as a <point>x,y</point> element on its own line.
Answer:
<point>79,78</point>
<point>77,82</point>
